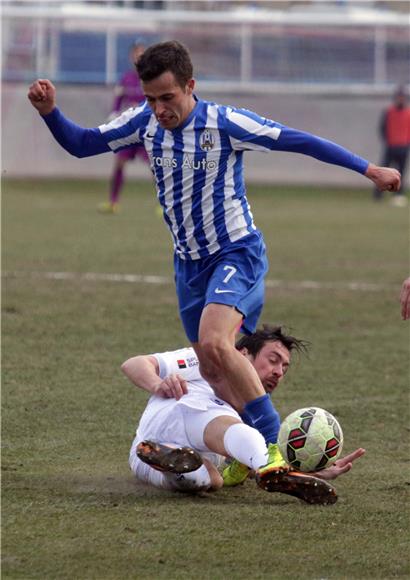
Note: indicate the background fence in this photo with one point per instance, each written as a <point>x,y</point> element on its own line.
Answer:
<point>329,70</point>
<point>324,48</point>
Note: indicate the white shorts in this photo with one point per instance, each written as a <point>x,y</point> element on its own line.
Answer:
<point>180,423</point>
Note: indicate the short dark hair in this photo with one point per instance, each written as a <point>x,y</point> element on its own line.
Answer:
<point>166,56</point>
<point>269,333</point>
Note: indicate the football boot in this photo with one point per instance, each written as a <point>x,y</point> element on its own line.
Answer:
<point>236,472</point>
<point>304,486</point>
<point>170,459</point>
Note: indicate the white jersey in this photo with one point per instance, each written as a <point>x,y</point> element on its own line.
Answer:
<point>164,419</point>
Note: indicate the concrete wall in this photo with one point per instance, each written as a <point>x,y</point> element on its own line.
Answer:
<point>28,150</point>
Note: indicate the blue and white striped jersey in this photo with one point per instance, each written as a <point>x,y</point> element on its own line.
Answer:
<point>198,170</point>
<point>198,167</point>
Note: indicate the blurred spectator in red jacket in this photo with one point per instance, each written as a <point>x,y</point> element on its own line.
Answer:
<point>395,133</point>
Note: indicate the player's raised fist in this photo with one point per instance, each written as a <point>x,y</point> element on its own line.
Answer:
<point>42,95</point>
<point>385,178</point>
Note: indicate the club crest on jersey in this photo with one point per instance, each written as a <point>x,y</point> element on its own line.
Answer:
<point>206,140</point>
<point>219,402</point>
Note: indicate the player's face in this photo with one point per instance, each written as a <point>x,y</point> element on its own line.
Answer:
<point>271,364</point>
<point>170,103</point>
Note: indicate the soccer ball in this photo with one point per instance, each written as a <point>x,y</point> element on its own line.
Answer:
<point>310,439</point>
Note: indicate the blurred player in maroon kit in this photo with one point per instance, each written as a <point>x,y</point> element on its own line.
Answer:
<point>128,93</point>
<point>395,133</point>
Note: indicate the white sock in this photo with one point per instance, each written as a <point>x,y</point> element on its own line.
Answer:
<point>246,445</point>
<point>193,481</point>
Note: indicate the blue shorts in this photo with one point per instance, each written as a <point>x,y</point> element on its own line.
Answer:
<point>233,276</point>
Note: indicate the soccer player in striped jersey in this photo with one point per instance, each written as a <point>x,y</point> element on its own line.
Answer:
<point>196,151</point>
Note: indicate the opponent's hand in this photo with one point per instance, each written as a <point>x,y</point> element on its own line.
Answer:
<point>42,95</point>
<point>172,387</point>
<point>384,178</point>
<point>340,466</point>
<point>405,299</point>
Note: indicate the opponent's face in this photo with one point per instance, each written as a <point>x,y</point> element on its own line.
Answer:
<point>170,103</point>
<point>271,363</point>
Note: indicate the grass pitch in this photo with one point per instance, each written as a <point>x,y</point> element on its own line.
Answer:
<point>71,508</point>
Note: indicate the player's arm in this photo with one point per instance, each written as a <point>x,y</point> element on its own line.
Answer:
<point>76,140</point>
<point>340,466</point>
<point>249,130</point>
<point>42,95</point>
<point>384,178</point>
<point>144,372</point>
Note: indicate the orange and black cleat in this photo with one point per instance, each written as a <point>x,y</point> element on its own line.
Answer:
<point>167,458</point>
<point>304,486</point>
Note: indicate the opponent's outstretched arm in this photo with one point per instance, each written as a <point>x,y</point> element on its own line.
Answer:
<point>342,465</point>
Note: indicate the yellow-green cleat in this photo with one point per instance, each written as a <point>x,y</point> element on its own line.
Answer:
<point>235,473</point>
<point>275,458</point>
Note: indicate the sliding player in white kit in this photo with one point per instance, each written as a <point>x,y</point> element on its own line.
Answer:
<point>200,430</point>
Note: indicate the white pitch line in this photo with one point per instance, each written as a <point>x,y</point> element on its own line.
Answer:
<point>164,280</point>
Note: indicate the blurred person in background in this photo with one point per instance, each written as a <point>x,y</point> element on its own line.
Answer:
<point>196,154</point>
<point>405,299</point>
<point>128,93</point>
<point>395,134</point>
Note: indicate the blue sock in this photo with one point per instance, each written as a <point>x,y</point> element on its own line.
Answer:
<point>262,416</point>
